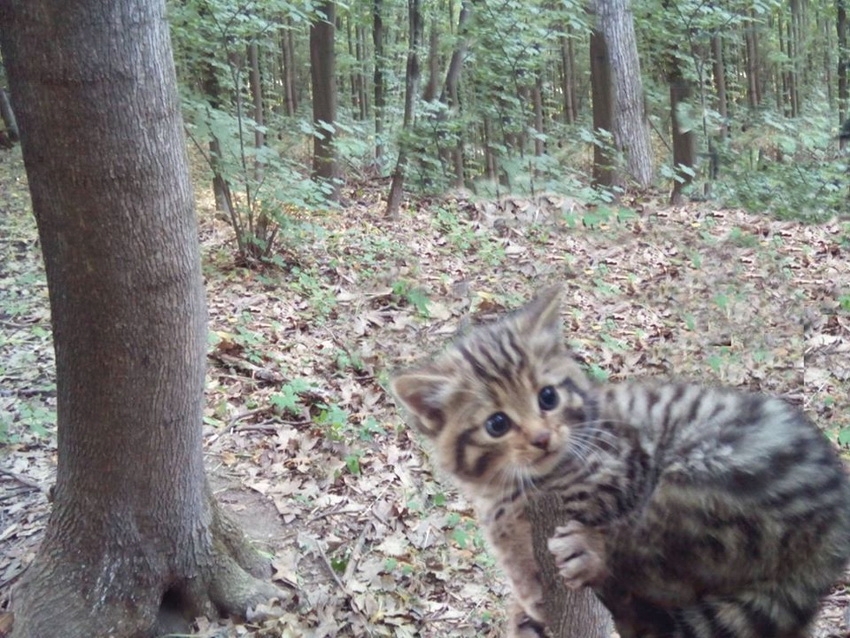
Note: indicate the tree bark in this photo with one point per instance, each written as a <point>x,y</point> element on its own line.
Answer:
<point>841,28</point>
<point>7,114</point>
<point>537,100</point>
<point>132,521</point>
<point>719,69</point>
<point>323,77</point>
<point>378,76</point>
<point>430,92</point>
<point>410,92</point>
<point>571,614</point>
<point>256,93</point>
<point>604,158</point>
<point>684,148</point>
<point>615,23</point>
<point>362,93</point>
<point>288,50</point>
<point>568,78</point>
<point>449,95</point>
<point>753,92</point>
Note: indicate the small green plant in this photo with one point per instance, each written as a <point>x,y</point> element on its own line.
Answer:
<point>413,295</point>
<point>38,419</point>
<point>335,419</point>
<point>288,399</point>
<point>352,462</point>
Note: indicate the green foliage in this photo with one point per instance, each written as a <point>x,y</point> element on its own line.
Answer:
<point>412,295</point>
<point>288,400</point>
<point>788,168</point>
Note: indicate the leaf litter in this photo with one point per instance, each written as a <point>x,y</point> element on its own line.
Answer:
<point>303,443</point>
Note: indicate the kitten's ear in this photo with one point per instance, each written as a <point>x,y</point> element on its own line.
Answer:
<point>424,394</point>
<point>542,315</point>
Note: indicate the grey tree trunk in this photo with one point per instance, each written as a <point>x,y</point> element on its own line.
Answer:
<point>102,138</point>
<point>615,24</point>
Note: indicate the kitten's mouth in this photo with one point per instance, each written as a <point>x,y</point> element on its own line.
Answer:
<point>544,457</point>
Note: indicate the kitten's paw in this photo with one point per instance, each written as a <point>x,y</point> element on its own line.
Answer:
<point>523,625</point>
<point>579,553</point>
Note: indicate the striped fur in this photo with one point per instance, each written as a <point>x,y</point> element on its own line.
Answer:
<point>692,512</point>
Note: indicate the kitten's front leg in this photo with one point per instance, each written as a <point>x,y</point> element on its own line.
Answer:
<point>580,555</point>
<point>508,532</point>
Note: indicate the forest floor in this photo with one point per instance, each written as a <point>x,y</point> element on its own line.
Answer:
<point>301,437</point>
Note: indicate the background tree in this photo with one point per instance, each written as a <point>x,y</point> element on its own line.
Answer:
<point>411,89</point>
<point>133,523</point>
<point>628,118</point>
<point>323,81</point>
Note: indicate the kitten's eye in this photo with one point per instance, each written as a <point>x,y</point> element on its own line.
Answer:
<point>547,399</point>
<point>497,424</point>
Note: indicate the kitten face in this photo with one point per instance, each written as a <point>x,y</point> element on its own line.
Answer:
<point>500,403</point>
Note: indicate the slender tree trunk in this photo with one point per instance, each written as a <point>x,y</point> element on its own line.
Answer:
<point>323,80</point>
<point>288,50</point>
<point>102,139</point>
<point>362,93</point>
<point>256,87</point>
<point>490,163</point>
<point>430,92</point>
<point>720,83</point>
<point>411,90</point>
<point>604,157</point>
<point>537,99</point>
<point>841,28</point>
<point>449,95</point>
<point>8,117</point>
<point>631,130</point>
<point>753,92</point>
<point>684,149</point>
<point>796,57</point>
<point>378,79</point>
<point>568,79</point>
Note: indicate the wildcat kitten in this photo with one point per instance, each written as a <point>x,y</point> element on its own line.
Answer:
<point>691,512</point>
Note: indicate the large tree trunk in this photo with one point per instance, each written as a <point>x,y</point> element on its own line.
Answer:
<point>571,614</point>
<point>102,139</point>
<point>615,23</point>
<point>322,74</point>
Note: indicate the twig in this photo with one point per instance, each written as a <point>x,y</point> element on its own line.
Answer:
<point>352,600</point>
<point>21,479</point>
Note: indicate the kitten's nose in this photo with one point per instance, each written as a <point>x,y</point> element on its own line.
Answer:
<point>541,439</point>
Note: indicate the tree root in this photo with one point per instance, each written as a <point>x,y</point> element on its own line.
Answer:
<point>135,587</point>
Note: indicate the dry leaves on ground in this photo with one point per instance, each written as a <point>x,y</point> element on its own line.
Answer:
<point>307,449</point>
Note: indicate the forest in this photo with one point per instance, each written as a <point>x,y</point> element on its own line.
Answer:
<point>225,224</point>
